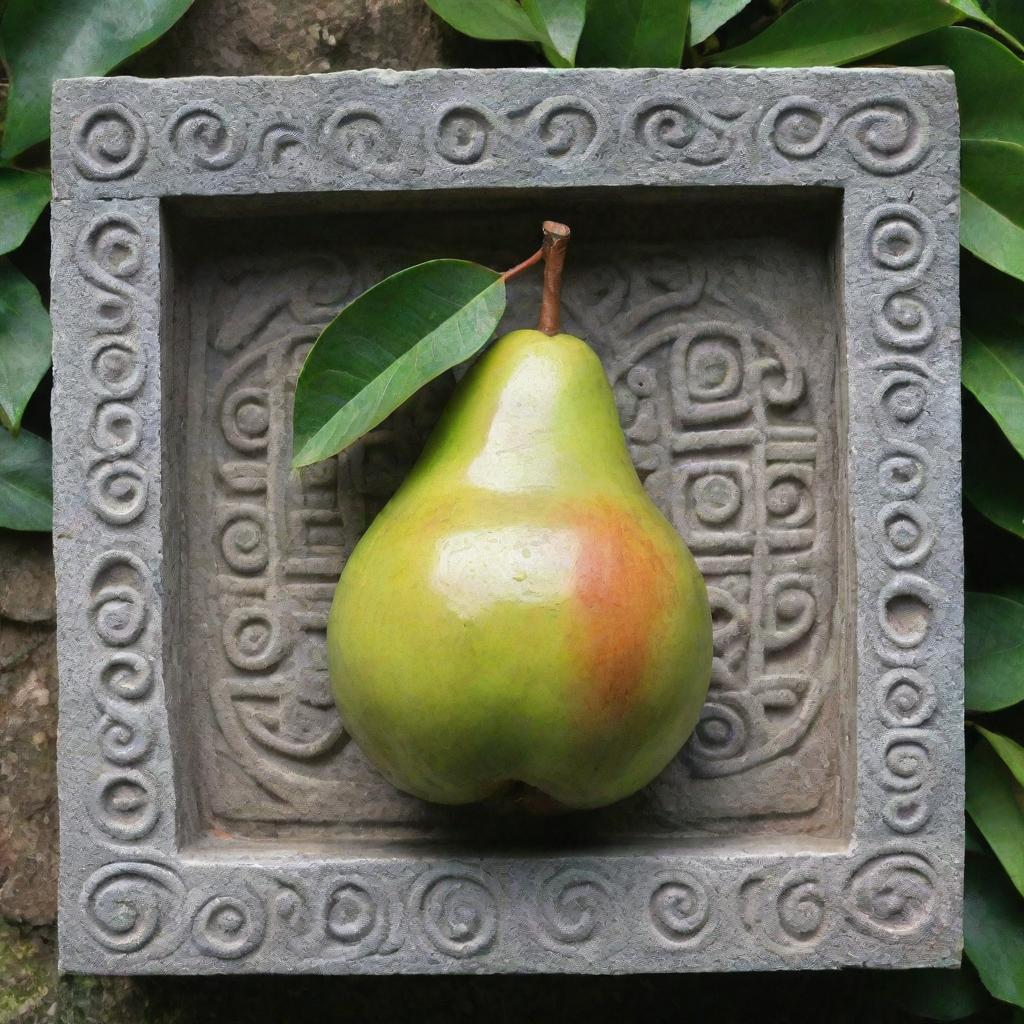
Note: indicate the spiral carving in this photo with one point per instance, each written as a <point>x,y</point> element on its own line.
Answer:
<point>203,136</point>
<point>118,491</point>
<point>127,907</point>
<point>887,135</point>
<point>891,895</point>
<point>255,639</point>
<point>126,735</point>
<point>906,698</point>
<point>905,533</point>
<point>792,915</point>
<point>900,238</point>
<point>109,142</point>
<point>243,539</point>
<point>574,906</point>
<point>569,128</point>
<point>116,367</point>
<point>359,139</point>
<point>904,322</point>
<point>109,254</point>
<point>903,471</point>
<point>458,911</point>
<point>118,609</point>
<point>229,926</point>
<point>797,127</point>
<point>355,917</point>
<point>671,129</point>
<point>680,910</point>
<point>124,804</point>
<point>464,135</point>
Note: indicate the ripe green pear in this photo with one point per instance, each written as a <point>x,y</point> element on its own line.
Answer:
<point>521,612</point>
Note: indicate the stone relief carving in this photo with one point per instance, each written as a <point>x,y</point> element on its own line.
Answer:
<point>727,424</point>
<point>461,912</point>
<point>732,429</point>
<point>887,135</point>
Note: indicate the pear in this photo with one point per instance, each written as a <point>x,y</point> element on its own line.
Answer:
<point>521,614</point>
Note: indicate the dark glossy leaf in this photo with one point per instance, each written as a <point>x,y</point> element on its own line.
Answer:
<point>488,19</point>
<point>1009,15</point>
<point>992,134</point>
<point>974,12</point>
<point>935,993</point>
<point>49,39</point>
<point>829,32</point>
<point>1011,753</point>
<point>26,485</point>
<point>707,16</point>
<point>560,22</point>
<point>24,343</point>
<point>994,929</point>
<point>386,345</point>
<point>634,34</point>
<point>992,203</point>
<point>995,802</point>
<point>993,371</point>
<point>993,651</point>
<point>993,472</point>
<point>23,196</point>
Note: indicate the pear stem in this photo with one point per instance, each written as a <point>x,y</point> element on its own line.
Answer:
<point>556,242</point>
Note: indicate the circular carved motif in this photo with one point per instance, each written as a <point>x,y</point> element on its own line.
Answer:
<point>906,698</point>
<point>108,142</point>
<point>464,135</point>
<point>891,895</point>
<point>124,804</point>
<point>126,907</point>
<point>203,136</point>
<point>574,907</point>
<point>229,926</point>
<point>680,910</point>
<point>458,911</point>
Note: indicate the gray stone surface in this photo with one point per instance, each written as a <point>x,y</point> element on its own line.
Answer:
<point>785,354</point>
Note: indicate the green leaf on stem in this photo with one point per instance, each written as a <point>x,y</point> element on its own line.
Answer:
<point>1011,752</point>
<point>829,32</point>
<point>994,929</point>
<point>634,34</point>
<point>993,651</point>
<point>488,19</point>
<point>707,16</point>
<point>992,138</point>
<point>993,371</point>
<point>23,196</point>
<point>45,41</point>
<point>560,22</point>
<point>995,802</point>
<point>26,484</point>
<point>974,11</point>
<point>993,474</point>
<point>385,345</point>
<point>1009,15</point>
<point>25,343</point>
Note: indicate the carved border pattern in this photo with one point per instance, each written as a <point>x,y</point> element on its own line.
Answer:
<point>462,911</point>
<point>133,901</point>
<point>885,136</point>
<point>124,803</point>
<point>900,244</point>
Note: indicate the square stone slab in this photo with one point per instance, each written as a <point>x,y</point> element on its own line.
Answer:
<point>766,262</point>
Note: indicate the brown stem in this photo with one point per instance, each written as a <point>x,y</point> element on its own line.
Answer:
<point>556,242</point>
<point>525,265</point>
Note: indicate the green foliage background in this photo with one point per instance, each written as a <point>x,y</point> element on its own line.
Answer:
<point>979,39</point>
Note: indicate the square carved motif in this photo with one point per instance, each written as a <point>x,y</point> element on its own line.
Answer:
<point>766,263</point>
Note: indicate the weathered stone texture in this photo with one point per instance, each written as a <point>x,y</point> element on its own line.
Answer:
<point>788,384</point>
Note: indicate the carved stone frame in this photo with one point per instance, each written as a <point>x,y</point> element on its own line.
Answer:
<point>134,897</point>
